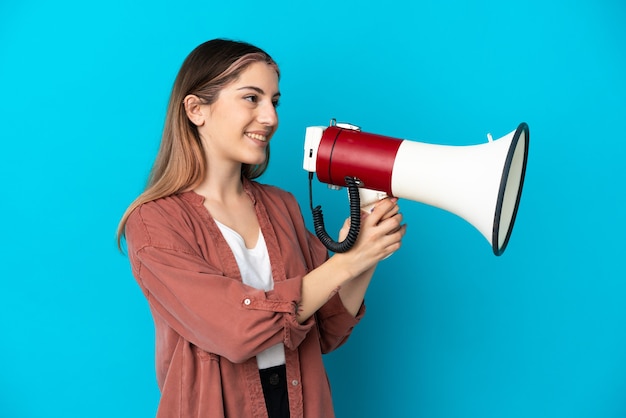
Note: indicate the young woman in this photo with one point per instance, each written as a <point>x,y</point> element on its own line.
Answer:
<point>245,300</point>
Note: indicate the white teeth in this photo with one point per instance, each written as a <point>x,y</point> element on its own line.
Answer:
<point>257,137</point>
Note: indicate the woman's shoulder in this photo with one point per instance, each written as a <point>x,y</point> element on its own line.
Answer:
<point>156,217</point>
<point>159,208</point>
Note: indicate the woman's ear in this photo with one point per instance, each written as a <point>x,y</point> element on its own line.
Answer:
<point>194,110</point>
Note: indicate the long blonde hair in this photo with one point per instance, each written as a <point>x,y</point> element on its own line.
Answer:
<point>180,163</point>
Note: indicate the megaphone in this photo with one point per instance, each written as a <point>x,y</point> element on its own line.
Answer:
<point>480,183</point>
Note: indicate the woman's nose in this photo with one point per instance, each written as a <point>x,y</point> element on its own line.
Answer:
<point>267,114</point>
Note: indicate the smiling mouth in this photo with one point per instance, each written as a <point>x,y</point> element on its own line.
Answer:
<point>258,137</point>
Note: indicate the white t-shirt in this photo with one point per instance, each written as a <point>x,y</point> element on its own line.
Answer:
<point>256,271</point>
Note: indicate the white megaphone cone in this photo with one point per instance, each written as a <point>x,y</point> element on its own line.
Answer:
<point>480,183</point>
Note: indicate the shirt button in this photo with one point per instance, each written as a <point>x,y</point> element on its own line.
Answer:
<point>246,302</point>
<point>294,382</point>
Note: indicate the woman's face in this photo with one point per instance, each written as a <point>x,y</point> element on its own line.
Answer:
<point>238,126</point>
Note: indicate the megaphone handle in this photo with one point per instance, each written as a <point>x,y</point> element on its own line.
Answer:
<point>355,219</point>
<point>369,198</point>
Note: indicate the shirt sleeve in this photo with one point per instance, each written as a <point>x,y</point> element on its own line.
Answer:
<point>219,314</point>
<point>335,323</point>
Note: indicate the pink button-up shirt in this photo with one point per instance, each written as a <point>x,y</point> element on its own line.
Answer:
<point>210,326</point>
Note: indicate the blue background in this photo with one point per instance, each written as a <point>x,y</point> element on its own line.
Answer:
<point>451,330</point>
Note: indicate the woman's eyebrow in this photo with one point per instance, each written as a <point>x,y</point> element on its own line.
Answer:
<point>257,89</point>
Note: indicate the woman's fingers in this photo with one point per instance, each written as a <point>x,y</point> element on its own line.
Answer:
<point>381,232</point>
<point>382,210</point>
<point>343,233</point>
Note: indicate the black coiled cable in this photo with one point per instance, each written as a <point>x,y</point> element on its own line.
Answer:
<point>355,218</point>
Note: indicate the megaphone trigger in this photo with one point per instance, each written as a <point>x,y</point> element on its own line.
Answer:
<point>369,198</point>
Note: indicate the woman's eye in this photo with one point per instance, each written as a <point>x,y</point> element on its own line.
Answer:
<point>276,103</point>
<point>251,98</point>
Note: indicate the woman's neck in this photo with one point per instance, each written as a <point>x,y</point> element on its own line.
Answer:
<point>221,183</point>
<point>227,201</point>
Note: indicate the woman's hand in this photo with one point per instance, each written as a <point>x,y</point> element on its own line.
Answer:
<point>381,235</point>
<point>349,273</point>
